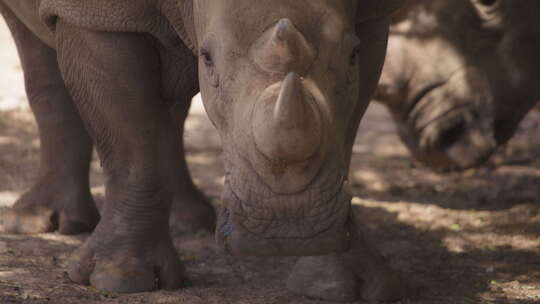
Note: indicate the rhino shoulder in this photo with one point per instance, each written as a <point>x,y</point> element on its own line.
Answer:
<point>138,16</point>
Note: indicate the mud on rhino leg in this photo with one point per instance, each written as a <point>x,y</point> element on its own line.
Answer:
<point>191,211</point>
<point>360,273</point>
<point>60,198</point>
<point>116,82</point>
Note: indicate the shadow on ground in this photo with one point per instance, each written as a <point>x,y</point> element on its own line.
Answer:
<point>463,238</point>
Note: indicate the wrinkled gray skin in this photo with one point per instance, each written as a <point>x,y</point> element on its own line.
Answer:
<point>285,83</point>
<point>60,199</point>
<point>460,76</point>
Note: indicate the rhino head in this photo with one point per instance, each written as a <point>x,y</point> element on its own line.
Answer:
<point>460,77</point>
<point>285,83</point>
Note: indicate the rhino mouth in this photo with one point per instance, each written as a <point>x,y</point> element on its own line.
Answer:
<point>445,132</point>
<point>314,222</point>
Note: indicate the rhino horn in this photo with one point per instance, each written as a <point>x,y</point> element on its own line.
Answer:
<point>283,48</point>
<point>290,104</point>
<point>288,128</point>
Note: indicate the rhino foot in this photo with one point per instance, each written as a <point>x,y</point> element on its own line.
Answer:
<point>329,278</point>
<point>46,208</point>
<point>112,264</point>
<point>192,212</point>
<point>325,278</point>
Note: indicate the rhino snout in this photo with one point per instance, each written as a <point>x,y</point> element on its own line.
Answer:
<point>287,127</point>
<point>456,141</point>
<point>469,148</point>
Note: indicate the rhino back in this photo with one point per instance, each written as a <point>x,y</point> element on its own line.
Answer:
<point>142,16</point>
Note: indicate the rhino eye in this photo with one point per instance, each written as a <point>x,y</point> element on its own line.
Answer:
<point>489,11</point>
<point>352,42</point>
<point>206,57</point>
<point>354,55</point>
<point>488,2</point>
<point>210,70</point>
<point>488,6</point>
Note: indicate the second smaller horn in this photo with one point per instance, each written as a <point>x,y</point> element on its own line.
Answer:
<point>287,126</point>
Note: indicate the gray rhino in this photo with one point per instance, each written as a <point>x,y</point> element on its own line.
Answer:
<point>284,82</point>
<point>460,76</point>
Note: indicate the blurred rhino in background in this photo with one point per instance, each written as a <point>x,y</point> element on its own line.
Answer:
<point>460,76</point>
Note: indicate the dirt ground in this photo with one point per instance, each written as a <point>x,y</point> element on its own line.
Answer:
<point>472,237</point>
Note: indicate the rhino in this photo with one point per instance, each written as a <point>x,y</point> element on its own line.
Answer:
<point>284,82</point>
<point>460,76</point>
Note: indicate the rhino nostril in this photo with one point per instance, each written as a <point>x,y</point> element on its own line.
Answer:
<point>450,136</point>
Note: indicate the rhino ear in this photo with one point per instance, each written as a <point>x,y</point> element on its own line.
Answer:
<point>373,9</point>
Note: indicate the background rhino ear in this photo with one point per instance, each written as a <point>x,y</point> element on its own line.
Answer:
<point>372,9</point>
<point>402,13</point>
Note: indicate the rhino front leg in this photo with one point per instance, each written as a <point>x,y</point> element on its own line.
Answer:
<point>60,198</point>
<point>116,81</point>
<point>191,211</point>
